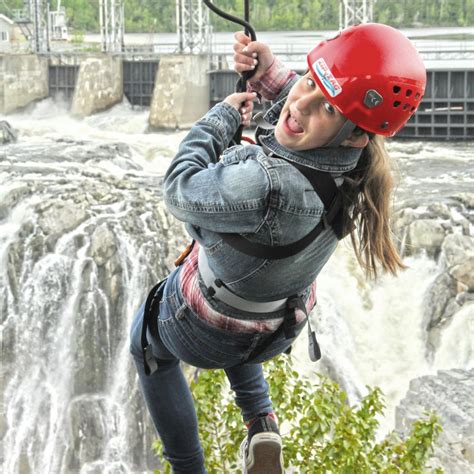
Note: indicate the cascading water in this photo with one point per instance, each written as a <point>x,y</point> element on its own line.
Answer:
<point>83,236</point>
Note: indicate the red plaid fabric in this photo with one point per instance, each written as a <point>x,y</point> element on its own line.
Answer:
<point>271,84</point>
<point>192,294</point>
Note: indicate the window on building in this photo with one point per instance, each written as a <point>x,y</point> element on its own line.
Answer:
<point>3,36</point>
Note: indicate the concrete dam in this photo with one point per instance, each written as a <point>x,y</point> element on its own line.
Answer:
<point>180,88</point>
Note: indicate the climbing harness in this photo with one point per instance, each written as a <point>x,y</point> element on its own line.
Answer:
<point>217,289</point>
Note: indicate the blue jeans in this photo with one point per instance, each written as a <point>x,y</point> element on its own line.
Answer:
<point>184,336</point>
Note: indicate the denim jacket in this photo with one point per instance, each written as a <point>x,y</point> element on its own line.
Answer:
<point>242,190</point>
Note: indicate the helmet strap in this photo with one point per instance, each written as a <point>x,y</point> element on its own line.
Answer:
<point>344,132</point>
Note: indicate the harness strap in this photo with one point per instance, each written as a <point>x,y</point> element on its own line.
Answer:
<point>287,327</point>
<point>150,317</point>
<point>217,289</point>
<point>325,187</point>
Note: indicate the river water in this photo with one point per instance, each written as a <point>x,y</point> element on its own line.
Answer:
<point>70,401</point>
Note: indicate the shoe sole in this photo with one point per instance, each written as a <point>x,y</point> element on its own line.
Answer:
<point>265,454</point>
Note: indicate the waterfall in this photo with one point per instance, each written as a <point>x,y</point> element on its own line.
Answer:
<point>84,234</point>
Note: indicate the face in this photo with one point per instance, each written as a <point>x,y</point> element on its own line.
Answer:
<point>307,120</point>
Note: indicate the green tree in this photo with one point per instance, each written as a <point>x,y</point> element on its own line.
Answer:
<point>324,433</point>
<point>149,16</point>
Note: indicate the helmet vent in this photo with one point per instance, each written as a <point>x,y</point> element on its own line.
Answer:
<point>408,92</point>
<point>417,95</point>
<point>396,89</point>
<point>384,125</point>
<point>406,106</point>
<point>412,109</point>
<point>396,103</point>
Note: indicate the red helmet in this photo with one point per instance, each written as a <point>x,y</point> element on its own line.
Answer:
<point>372,74</point>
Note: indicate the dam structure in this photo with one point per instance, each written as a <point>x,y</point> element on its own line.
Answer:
<point>179,76</point>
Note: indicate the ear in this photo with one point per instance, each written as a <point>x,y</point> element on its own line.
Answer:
<point>356,141</point>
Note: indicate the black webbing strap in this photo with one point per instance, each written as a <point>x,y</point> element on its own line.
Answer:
<point>150,317</point>
<point>287,326</point>
<point>325,187</point>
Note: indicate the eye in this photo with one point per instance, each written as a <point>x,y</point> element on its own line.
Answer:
<point>329,108</point>
<point>310,82</point>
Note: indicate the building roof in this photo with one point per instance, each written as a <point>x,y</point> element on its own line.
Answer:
<point>5,18</point>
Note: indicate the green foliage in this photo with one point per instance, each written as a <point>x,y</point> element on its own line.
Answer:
<point>321,432</point>
<point>77,37</point>
<point>154,16</point>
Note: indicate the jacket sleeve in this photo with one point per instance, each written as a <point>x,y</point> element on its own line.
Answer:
<point>228,195</point>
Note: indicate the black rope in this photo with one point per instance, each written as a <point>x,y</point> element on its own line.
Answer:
<point>241,85</point>
<point>234,19</point>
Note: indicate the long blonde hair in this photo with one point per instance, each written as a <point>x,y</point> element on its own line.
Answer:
<point>367,192</point>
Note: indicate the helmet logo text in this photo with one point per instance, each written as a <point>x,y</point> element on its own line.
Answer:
<point>326,77</point>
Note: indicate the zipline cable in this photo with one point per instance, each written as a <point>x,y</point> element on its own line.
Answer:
<point>241,85</point>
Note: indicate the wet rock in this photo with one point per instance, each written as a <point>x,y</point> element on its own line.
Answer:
<point>425,234</point>
<point>456,249</point>
<point>464,273</point>
<point>92,331</point>
<point>466,198</point>
<point>439,209</point>
<point>58,217</point>
<point>103,245</point>
<point>440,293</point>
<point>464,297</point>
<point>87,427</point>
<point>449,394</point>
<point>7,133</point>
<point>11,198</point>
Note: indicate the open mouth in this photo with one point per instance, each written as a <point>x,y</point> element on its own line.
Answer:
<point>291,125</point>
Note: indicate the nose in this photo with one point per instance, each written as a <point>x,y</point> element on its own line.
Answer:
<point>308,100</point>
<point>304,102</point>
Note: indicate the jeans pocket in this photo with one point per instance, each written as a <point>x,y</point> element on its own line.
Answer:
<point>201,345</point>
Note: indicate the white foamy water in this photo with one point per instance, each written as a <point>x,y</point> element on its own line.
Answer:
<point>370,333</point>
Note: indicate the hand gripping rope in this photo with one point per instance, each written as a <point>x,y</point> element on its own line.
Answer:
<point>241,85</point>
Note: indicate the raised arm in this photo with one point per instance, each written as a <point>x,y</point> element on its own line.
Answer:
<point>271,74</point>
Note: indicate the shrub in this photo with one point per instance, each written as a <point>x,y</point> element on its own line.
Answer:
<point>321,432</point>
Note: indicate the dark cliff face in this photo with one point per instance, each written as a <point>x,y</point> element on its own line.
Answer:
<point>81,249</point>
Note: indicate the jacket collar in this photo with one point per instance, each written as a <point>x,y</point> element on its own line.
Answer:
<point>333,160</point>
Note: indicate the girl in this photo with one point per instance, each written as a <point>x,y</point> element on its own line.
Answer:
<point>266,218</point>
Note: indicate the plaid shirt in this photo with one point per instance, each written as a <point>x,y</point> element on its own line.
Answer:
<point>271,84</point>
<point>192,294</point>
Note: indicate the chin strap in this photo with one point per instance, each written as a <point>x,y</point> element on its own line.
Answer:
<point>344,132</point>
